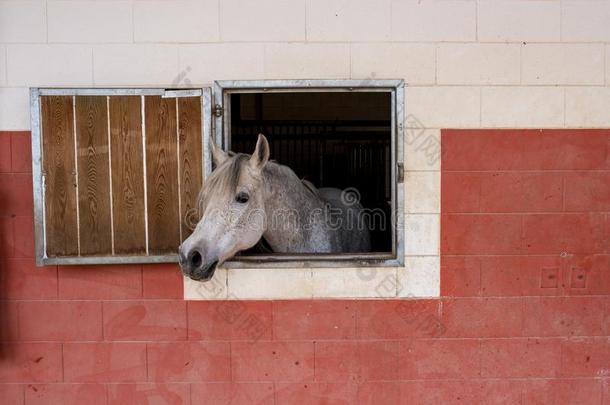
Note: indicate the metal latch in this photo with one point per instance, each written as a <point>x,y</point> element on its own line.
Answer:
<point>217,111</point>
<point>400,172</point>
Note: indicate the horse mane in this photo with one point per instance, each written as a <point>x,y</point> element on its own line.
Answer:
<point>309,186</point>
<point>225,179</point>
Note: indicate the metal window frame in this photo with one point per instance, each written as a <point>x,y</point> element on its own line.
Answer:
<point>223,89</point>
<point>39,181</point>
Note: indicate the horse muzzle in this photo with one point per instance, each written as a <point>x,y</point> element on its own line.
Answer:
<point>205,273</point>
<point>194,267</point>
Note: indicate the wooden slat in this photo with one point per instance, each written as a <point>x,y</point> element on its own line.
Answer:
<point>190,159</point>
<point>162,175</point>
<point>59,168</point>
<point>127,175</point>
<point>93,175</point>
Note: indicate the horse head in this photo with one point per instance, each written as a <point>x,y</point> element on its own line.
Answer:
<point>231,208</point>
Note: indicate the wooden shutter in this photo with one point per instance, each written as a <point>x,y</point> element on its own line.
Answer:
<point>119,173</point>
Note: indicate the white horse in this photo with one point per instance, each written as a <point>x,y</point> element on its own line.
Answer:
<point>247,198</point>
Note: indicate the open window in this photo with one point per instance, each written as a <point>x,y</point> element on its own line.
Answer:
<point>345,134</point>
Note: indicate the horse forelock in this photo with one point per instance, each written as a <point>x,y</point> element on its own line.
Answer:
<point>224,179</point>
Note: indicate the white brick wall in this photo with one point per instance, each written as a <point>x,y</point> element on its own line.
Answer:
<point>420,277</point>
<point>430,20</point>
<point>587,107</point>
<point>478,64</point>
<point>563,64</point>
<point>90,21</point>
<point>415,63</point>
<point>466,64</point>
<point>140,65</point>
<point>3,66</point>
<point>517,107</point>
<point>262,20</point>
<point>270,283</point>
<point>585,21</point>
<point>416,158</point>
<point>23,21</point>
<point>307,61</point>
<point>49,65</point>
<point>360,283</point>
<point>175,21</point>
<point>423,192</point>
<point>201,63</point>
<point>445,106</point>
<point>422,234</point>
<point>519,20</point>
<point>348,20</point>
<point>607,49</point>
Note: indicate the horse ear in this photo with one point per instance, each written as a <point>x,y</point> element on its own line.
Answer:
<point>261,153</point>
<point>218,155</point>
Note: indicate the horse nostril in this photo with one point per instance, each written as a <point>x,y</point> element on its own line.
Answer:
<point>196,259</point>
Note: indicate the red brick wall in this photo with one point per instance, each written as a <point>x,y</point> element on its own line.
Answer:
<point>524,318</point>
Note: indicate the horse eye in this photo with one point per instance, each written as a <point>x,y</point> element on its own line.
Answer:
<point>242,198</point>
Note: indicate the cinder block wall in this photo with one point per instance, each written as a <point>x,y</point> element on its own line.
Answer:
<point>524,312</point>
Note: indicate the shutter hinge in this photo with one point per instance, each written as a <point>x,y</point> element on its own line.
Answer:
<point>218,110</point>
<point>400,172</point>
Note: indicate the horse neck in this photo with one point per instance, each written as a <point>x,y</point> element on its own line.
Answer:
<point>286,193</point>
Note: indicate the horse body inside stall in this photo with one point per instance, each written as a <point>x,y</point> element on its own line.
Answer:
<point>248,197</point>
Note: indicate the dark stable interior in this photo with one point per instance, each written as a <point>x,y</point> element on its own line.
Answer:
<point>332,139</point>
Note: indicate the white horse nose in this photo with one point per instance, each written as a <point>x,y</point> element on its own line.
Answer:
<point>196,267</point>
